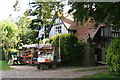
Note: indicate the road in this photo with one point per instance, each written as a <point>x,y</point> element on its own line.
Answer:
<point>33,72</point>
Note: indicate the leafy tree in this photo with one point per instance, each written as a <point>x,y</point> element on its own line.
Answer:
<point>102,12</point>
<point>26,35</point>
<point>9,36</point>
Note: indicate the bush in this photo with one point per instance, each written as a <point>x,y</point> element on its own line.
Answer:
<point>113,57</point>
<point>12,52</point>
<point>71,48</point>
<point>3,55</point>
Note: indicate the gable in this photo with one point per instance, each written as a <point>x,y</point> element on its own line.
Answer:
<point>58,28</point>
<point>67,20</point>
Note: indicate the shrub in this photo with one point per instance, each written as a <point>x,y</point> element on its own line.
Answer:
<point>71,48</point>
<point>12,52</point>
<point>3,55</point>
<point>113,57</point>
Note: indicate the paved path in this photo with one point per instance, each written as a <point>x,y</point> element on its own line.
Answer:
<point>33,72</point>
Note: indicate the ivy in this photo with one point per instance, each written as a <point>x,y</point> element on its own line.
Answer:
<point>113,57</point>
<point>71,48</point>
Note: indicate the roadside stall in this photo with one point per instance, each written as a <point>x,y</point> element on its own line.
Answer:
<point>45,55</point>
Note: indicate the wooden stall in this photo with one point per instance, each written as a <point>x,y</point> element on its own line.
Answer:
<point>45,55</point>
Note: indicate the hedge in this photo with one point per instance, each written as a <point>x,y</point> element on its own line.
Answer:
<point>113,57</point>
<point>71,48</point>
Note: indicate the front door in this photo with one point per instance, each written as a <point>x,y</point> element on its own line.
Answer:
<point>98,52</point>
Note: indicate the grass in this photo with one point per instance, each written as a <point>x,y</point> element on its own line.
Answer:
<point>4,66</point>
<point>63,65</point>
<point>90,69</point>
<point>103,74</point>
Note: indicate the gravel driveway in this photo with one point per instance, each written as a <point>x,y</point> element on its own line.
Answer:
<point>33,72</point>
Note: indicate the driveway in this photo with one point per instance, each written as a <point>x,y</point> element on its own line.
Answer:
<point>33,72</point>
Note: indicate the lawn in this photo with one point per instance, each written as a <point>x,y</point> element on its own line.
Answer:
<point>4,66</point>
<point>90,69</point>
<point>103,74</point>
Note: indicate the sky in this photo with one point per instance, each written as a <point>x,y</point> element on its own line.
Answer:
<point>6,8</point>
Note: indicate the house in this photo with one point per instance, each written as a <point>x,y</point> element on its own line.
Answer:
<point>63,25</point>
<point>100,35</point>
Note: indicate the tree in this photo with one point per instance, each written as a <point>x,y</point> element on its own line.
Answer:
<point>102,12</point>
<point>26,35</point>
<point>9,36</point>
<point>44,12</point>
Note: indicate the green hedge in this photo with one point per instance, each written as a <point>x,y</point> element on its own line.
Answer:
<point>113,57</point>
<point>71,48</point>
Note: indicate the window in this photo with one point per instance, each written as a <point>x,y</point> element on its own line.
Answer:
<point>106,32</point>
<point>115,31</point>
<point>58,29</point>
